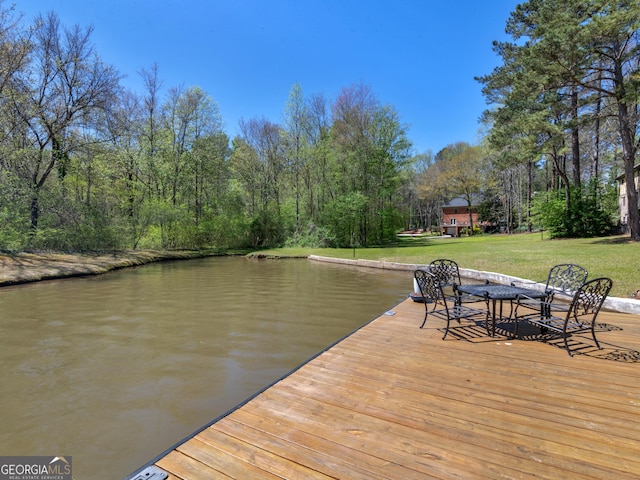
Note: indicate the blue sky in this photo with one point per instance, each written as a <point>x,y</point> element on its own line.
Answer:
<point>419,56</point>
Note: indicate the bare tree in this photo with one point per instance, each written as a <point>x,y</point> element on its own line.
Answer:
<point>14,47</point>
<point>64,90</point>
<point>316,172</point>
<point>150,132</point>
<point>295,141</point>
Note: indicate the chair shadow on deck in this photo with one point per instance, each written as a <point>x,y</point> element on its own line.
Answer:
<point>504,331</point>
<point>473,333</point>
<point>609,351</point>
<point>615,353</point>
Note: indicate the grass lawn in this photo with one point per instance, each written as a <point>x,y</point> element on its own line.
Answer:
<point>524,255</point>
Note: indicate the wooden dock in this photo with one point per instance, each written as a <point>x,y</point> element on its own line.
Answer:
<point>396,402</point>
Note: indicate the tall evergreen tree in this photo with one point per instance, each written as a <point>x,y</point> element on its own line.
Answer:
<point>566,53</point>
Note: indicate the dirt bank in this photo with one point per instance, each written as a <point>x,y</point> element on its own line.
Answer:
<point>32,267</point>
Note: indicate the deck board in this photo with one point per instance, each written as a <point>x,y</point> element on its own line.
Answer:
<point>396,401</point>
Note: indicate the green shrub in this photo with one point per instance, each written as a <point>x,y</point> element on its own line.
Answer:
<point>587,215</point>
<point>312,237</point>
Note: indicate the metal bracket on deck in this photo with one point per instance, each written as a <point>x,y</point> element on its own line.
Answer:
<point>151,473</point>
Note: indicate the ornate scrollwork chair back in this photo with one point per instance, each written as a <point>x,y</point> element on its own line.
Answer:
<point>565,278</point>
<point>579,316</point>
<point>448,274</point>
<point>433,295</point>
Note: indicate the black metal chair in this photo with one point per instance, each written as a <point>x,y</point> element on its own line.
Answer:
<point>448,274</point>
<point>565,279</point>
<point>580,314</point>
<point>431,290</point>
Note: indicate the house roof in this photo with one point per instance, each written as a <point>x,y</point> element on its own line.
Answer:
<point>462,202</point>
<point>619,178</point>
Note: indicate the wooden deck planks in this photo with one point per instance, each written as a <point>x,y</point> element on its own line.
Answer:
<point>395,401</point>
<point>301,447</point>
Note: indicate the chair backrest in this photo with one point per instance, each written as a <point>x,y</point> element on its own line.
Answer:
<point>446,271</point>
<point>566,278</point>
<point>430,287</point>
<point>589,298</point>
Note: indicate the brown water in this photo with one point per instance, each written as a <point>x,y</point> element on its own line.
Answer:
<point>115,369</point>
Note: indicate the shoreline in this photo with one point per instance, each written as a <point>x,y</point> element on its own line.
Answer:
<point>22,268</point>
<point>615,304</point>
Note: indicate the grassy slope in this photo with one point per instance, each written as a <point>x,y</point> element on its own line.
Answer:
<point>527,256</point>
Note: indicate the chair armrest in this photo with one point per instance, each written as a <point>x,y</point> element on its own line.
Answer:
<point>552,292</point>
<point>544,304</point>
<point>521,298</point>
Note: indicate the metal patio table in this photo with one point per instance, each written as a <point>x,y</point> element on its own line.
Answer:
<point>493,293</point>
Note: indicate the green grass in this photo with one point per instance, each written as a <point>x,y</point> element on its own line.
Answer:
<point>526,255</point>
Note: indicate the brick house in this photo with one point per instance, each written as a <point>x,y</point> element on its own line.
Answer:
<point>455,216</point>
<point>623,208</point>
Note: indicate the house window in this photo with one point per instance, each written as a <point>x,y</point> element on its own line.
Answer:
<point>453,221</point>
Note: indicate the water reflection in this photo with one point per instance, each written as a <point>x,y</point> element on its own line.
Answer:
<point>115,369</point>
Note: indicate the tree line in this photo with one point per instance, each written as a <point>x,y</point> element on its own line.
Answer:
<point>86,164</point>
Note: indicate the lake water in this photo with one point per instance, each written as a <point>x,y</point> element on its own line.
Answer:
<point>117,368</point>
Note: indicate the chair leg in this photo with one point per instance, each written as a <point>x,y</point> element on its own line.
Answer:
<point>425,319</point>
<point>566,344</point>
<point>446,330</point>
<point>593,334</point>
<point>486,318</point>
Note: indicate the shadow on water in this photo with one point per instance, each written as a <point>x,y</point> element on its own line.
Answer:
<point>114,369</point>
